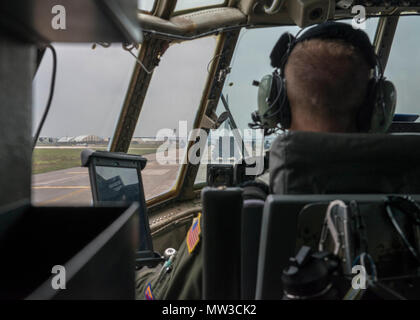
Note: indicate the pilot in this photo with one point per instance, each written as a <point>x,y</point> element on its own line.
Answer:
<point>327,83</point>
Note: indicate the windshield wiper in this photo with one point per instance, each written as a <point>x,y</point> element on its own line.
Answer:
<point>234,127</point>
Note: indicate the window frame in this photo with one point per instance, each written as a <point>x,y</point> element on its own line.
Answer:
<point>189,10</point>
<point>179,183</point>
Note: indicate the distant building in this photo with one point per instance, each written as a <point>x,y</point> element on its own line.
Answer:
<point>88,139</point>
<point>65,140</point>
<point>84,139</point>
<point>136,140</point>
<point>47,140</point>
<point>146,141</point>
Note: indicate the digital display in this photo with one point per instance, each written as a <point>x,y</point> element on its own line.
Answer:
<point>117,184</point>
<point>116,178</point>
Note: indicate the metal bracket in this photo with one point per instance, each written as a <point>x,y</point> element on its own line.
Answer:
<point>384,37</point>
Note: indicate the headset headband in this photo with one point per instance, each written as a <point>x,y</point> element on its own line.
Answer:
<point>329,30</point>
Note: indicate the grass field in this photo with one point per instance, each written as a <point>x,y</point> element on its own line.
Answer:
<point>51,159</point>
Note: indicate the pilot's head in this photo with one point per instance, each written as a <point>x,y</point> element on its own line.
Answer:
<point>327,83</point>
<point>329,79</point>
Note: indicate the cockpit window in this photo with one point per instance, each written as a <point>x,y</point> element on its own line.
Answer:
<point>169,111</point>
<point>190,4</point>
<point>89,92</point>
<point>146,5</point>
<point>403,65</point>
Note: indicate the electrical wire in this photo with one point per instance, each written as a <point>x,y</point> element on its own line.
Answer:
<point>50,97</point>
<point>211,60</point>
<point>361,258</point>
<point>401,233</point>
<point>129,49</point>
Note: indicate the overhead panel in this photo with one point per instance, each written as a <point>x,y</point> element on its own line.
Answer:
<point>72,20</point>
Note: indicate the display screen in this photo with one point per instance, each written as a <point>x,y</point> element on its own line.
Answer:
<point>117,184</point>
<point>122,184</point>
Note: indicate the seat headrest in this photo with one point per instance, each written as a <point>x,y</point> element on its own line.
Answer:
<point>330,163</point>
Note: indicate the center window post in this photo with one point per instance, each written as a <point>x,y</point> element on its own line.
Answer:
<point>168,113</point>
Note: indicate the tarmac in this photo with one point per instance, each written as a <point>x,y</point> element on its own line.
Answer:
<point>72,186</point>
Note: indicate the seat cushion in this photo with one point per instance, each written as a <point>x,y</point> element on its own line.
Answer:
<point>328,163</point>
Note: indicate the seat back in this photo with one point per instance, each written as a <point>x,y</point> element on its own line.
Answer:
<point>290,221</point>
<point>330,163</point>
<point>222,210</point>
<point>322,167</point>
<point>383,242</point>
<point>250,238</point>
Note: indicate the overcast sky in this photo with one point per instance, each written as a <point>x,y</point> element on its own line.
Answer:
<point>91,87</point>
<point>91,84</point>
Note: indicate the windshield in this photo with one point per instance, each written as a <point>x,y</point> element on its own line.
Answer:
<point>169,110</point>
<point>89,91</point>
<point>146,5</point>
<point>403,65</point>
<point>190,4</point>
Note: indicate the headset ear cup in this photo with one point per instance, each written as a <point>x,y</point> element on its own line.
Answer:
<point>273,105</point>
<point>265,89</point>
<point>383,107</point>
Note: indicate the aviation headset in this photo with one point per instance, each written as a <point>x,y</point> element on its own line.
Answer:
<point>376,113</point>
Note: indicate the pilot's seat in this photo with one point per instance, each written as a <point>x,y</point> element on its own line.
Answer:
<point>345,166</point>
<point>305,163</point>
<point>328,163</point>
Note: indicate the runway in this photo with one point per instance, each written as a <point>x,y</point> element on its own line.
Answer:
<point>72,186</point>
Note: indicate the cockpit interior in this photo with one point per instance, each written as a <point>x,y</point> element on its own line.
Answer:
<point>126,124</point>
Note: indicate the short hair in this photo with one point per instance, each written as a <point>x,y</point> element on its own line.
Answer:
<point>327,79</point>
